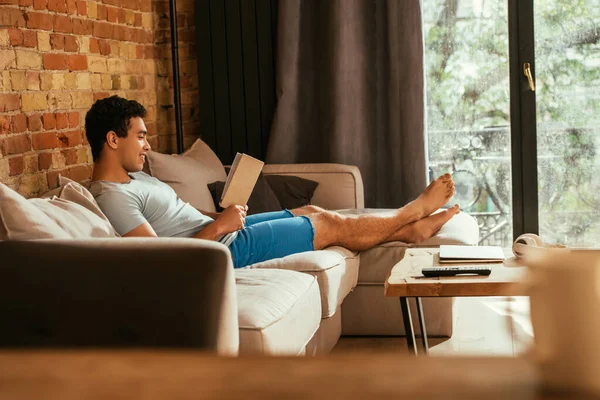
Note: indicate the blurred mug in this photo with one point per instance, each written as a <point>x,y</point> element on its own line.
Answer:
<point>565,299</point>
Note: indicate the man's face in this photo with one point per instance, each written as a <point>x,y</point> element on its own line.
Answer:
<point>132,149</point>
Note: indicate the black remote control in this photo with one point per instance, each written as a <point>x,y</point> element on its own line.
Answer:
<point>431,272</point>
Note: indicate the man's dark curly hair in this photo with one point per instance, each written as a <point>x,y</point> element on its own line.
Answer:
<point>110,114</point>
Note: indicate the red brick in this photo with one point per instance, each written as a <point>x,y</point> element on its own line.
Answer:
<point>141,84</point>
<point>70,156</point>
<point>10,2</point>
<point>82,26</point>
<point>62,23</point>
<point>16,36</point>
<point>49,121</point>
<point>101,12</point>
<point>71,6</point>
<point>149,52</point>
<point>71,44</point>
<point>77,62</point>
<point>9,102</point>
<point>146,5</point>
<point>40,21</point>
<point>81,7</point>
<point>11,17</point>
<point>104,47</point>
<point>26,3</point>
<point>45,140</point>
<point>73,119</point>
<point>44,161</point>
<point>19,123</point>
<point>17,144</point>
<point>57,5</point>
<point>70,139</point>
<point>29,39</point>
<point>16,165</point>
<point>40,4</point>
<point>139,51</point>
<point>4,127</point>
<point>57,41</point>
<point>94,46</point>
<point>55,61</point>
<point>80,172</point>
<point>131,4</point>
<point>100,95</point>
<point>112,2</point>
<point>137,19</point>
<point>34,122</point>
<point>122,16</point>
<point>121,33</point>
<point>103,30</point>
<point>62,121</point>
<point>52,178</point>
<point>112,14</point>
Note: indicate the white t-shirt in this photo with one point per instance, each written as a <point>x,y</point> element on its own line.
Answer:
<point>146,199</point>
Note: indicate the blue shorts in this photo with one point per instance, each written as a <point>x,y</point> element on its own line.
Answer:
<point>271,235</point>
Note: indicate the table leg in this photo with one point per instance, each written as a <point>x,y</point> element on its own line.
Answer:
<point>408,326</point>
<point>422,325</point>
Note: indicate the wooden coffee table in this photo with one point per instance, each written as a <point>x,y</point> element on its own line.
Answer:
<point>406,280</point>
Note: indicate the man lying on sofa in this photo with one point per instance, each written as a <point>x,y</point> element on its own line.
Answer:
<point>140,205</point>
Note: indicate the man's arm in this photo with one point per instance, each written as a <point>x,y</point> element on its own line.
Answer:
<point>230,220</point>
<point>144,230</point>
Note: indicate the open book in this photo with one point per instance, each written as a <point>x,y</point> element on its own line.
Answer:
<point>241,180</point>
<point>475,254</point>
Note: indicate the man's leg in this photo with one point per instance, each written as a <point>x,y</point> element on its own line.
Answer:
<point>365,231</point>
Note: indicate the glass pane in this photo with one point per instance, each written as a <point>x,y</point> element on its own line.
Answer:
<point>468,102</point>
<point>567,60</point>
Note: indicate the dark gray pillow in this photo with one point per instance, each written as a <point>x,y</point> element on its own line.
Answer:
<point>292,191</point>
<point>262,199</point>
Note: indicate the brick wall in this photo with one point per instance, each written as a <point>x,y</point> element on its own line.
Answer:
<point>58,56</point>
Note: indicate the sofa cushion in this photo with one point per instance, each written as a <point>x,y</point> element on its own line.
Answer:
<point>189,174</point>
<point>55,217</point>
<point>278,311</point>
<point>335,268</point>
<point>262,199</point>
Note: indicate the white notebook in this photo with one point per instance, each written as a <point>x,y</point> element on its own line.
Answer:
<point>461,254</point>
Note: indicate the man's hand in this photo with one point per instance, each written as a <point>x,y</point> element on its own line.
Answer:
<point>230,220</point>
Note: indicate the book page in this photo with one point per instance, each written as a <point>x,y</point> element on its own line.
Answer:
<point>242,177</point>
<point>234,166</point>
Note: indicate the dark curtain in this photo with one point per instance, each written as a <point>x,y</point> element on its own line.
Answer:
<point>350,84</point>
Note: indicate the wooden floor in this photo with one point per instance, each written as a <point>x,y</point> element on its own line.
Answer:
<point>482,327</point>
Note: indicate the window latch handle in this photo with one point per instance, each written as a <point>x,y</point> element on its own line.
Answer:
<point>527,72</point>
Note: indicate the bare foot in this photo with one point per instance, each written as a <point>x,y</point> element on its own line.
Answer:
<point>424,228</point>
<point>435,195</point>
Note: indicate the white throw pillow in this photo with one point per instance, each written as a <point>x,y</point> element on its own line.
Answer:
<point>189,174</point>
<point>49,218</point>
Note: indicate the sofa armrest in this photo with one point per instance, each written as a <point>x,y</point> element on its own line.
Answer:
<point>134,292</point>
<point>340,186</point>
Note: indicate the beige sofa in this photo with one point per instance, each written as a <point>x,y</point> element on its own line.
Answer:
<point>295,305</point>
<point>302,303</point>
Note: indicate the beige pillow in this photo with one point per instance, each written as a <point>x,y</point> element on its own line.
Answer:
<point>77,193</point>
<point>189,174</point>
<point>48,218</point>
